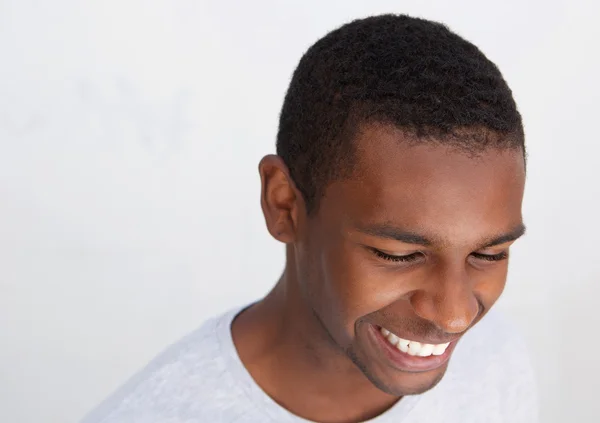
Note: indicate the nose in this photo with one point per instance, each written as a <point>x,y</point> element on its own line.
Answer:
<point>448,301</point>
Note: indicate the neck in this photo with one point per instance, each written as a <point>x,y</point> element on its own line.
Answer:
<point>293,359</point>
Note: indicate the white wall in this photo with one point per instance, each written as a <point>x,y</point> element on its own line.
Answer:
<point>130,134</point>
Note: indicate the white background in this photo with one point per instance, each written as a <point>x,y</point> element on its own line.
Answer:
<point>130,134</point>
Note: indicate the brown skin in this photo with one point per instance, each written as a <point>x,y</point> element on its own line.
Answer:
<point>308,343</point>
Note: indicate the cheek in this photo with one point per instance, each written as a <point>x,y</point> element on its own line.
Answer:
<point>489,288</point>
<point>352,287</point>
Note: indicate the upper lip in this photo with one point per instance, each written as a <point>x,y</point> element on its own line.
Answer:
<point>421,339</point>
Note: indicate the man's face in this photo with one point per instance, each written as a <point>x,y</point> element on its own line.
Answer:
<point>415,243</point>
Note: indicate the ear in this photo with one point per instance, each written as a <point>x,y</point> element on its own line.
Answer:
<point>280,199</point>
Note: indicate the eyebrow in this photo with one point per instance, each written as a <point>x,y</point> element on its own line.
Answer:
<point>397,234</point>
<point>514,234</point>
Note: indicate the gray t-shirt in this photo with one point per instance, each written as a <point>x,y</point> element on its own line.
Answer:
<point>202,379</point>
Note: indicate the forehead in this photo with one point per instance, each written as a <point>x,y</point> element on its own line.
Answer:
<point>434,188</point>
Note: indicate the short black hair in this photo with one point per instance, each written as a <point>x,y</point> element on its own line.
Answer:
<point>413,73</point>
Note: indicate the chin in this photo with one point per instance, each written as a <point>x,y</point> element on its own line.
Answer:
<point>400,383</point>
<point>410,383</point>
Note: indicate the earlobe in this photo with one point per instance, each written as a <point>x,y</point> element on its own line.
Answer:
<point>278,199</point>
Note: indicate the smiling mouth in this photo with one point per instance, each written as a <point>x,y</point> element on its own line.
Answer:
<point>408,355</point>
<point>413,348</point>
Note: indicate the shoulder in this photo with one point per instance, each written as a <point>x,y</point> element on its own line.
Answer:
<point>188,379</point>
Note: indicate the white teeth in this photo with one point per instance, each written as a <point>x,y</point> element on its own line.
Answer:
<point>414,348</point>
<point>426,350</point>
<point>403,345</point>
<point>440,349</point>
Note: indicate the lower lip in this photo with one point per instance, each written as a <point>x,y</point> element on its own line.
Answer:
<point>406,362</point>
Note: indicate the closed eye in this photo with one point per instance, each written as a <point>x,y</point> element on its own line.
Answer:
<point>389,257</point>
<point>491,257</point>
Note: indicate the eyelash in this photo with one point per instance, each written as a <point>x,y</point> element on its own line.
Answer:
<point>412,257</point>
<point>491,257</point>
<point>389,257</point>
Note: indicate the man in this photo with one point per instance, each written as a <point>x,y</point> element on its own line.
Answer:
<point>397,190</point>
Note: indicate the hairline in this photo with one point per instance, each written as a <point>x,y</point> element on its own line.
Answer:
<point>350,132</point>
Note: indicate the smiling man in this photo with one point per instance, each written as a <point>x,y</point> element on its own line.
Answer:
<point>397,190</point>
